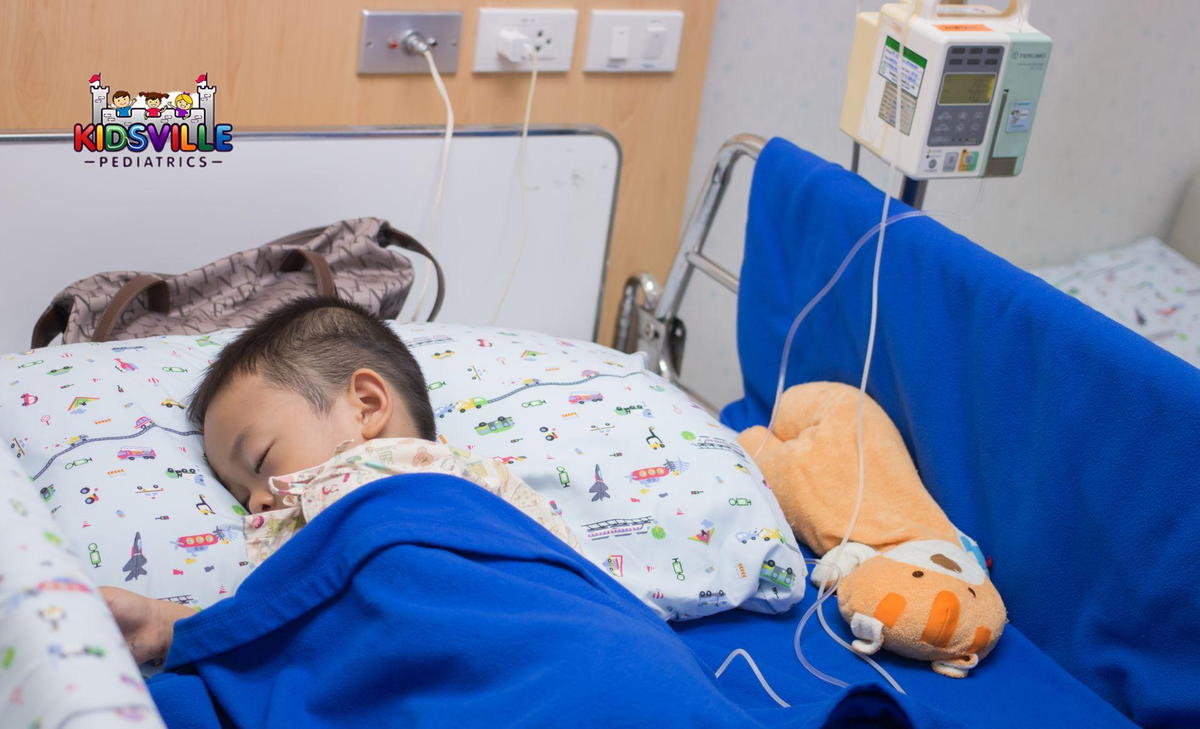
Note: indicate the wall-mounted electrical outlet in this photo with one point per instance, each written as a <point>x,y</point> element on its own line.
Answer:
<point>382,48</point>
<point>506,36</point>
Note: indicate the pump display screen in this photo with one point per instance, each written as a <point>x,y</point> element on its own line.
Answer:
<point>967,88</point>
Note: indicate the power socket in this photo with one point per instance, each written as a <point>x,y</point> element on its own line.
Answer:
<point>506,34</point>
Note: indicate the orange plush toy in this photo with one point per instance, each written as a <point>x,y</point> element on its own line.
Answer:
<point>912,583</point>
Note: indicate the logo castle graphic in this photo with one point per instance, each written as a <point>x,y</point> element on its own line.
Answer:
<point>200,115</point>
<point>153,122</point>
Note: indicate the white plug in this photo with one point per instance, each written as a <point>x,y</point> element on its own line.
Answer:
<point>507,38</point>
<point>513,45</point>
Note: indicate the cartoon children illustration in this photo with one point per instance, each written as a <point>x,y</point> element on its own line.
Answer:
<point>153,102</point>
<point>183,105</point>
<point>122,101</point>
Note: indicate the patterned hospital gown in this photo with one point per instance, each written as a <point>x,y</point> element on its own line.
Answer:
<point>306,493</point>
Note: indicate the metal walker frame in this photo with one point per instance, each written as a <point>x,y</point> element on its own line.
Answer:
<point>653,325</point>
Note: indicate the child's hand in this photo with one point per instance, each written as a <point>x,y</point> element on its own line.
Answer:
<point>148,625</point>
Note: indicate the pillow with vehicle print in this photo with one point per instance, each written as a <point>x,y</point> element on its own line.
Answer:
<point>101,430</point>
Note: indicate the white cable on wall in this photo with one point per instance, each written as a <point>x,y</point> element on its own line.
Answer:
<point>521,171</point>
<point>435,210</point>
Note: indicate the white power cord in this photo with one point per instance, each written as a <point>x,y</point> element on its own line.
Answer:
<point>435,210</point>
<point>521,174</point>
<point>757,674</point>
<point>827,588</point>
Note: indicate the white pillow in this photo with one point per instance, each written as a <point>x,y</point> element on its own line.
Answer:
<point>660,494</point>
<point>62,658</point>
<point>101,430</point>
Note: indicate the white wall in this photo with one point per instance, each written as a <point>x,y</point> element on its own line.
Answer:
<point>1116,137</point>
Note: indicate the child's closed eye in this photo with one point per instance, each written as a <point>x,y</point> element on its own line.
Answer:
<point>261,460</point>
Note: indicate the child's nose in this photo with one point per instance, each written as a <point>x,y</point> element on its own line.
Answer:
<point>262,501</point>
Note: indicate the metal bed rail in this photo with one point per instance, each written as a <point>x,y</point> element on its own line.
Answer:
<point>652,325</point>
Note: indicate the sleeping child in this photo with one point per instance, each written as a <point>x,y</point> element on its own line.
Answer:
<point>313,401</point>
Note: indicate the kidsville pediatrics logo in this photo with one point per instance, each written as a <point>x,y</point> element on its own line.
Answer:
<point>153,128</point>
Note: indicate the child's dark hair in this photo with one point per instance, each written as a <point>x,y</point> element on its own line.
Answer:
<point>312,346</point>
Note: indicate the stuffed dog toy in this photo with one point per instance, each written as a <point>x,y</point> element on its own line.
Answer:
<point>911,582</point>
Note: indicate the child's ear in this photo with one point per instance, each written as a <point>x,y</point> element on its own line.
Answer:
<point>372,402</point>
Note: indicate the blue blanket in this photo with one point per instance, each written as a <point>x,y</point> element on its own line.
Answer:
<point>423,600</point>
<point>1017,686</point>
<point>1067,445</point>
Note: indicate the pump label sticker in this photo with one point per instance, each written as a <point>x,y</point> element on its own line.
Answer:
<point>1020,117</point>
<point>913,70</point>
<point>911,74</point>
<point>963,28</point>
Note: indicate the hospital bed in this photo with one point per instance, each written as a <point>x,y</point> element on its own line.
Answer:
<point>1029,418</point>
<point>1150,286</point>
<point>1061,441</point>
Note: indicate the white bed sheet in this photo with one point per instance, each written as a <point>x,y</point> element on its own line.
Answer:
<point>1147,286</point>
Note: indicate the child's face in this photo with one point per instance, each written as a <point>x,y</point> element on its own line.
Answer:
<point>254,430</point>
<point>153,103</point>
<point>121,101</point>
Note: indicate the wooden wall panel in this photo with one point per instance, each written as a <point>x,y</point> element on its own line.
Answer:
<point>281,63</point>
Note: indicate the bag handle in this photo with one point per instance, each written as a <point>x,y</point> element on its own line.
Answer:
<point>50,324</point>
<point>160,295</point>
<point>159,300</point>
<point>295,260</point>
<point>407,242</point>
<point>388,236</point>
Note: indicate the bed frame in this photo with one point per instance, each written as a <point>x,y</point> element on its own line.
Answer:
<point>652,325</point>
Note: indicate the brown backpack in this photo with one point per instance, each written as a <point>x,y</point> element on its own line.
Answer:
<point>349,259</point>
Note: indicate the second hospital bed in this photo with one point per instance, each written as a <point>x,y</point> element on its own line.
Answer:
<point>1063,442</point>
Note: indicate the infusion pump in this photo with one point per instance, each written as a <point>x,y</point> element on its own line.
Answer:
<point>969,79</point>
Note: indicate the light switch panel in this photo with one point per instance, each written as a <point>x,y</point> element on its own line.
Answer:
<point>618,48</point>
<point>656,41</point>
<point>634,41</point>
